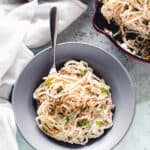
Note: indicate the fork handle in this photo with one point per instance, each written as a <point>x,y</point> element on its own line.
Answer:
<point>53,28</point>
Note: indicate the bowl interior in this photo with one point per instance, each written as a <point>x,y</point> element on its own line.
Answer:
<point>104,66</point>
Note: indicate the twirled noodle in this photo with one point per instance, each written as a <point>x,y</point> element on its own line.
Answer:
<point>132,16</point>
<point>74,105</point>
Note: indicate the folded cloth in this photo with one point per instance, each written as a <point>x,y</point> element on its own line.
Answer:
<point>21,28</point>
<point>38,31</point>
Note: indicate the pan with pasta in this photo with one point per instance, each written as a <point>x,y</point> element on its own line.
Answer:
<point>127,21</point>
<point>74,105</point>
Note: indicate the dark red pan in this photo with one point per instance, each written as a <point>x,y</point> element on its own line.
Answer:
<point>99,23</point>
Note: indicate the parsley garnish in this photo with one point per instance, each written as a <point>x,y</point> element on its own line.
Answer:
<point>147,36</point>
<point>104,90</point>
<point>93,93</point>
<point>99,123</point>
<point>99,110</point>
<point>44,129</point>
<point>82,109</point>
<point>52,111</point>
<point>47,82</point>
<point>84,72</point>
<point>66,119</point>
<point>83,122</point>
<point>59,89</point>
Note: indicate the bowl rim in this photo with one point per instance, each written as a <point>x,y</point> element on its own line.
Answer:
<point>81,43</point>
<point>135,57</point>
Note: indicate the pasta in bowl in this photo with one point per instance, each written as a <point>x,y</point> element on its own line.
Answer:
<point>114,85</point>
<point>74,105</point>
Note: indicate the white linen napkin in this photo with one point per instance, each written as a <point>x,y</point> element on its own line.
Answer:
<point>25,27</point>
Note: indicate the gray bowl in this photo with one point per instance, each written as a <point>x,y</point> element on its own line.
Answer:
<point>105,66</point>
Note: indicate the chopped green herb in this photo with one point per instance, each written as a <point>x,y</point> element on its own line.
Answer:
<point>99,123</point>
<point>83,73</point>
<point>99,110</point>
<point>93,93</point>
<point>59,89</point>
<point>66,119</point>
<point>70,117</point>
<point>147,36</point>
<point>83,122</point>
<point>82,109</point>
<point>44,129</point>
<point>47,82</point>
<point>104,90</point>
<point>52,111</point>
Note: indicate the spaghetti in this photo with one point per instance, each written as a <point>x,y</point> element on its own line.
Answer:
<point>74,105</point>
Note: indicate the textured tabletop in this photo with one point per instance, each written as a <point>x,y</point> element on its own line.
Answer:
<point>138,137</point>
